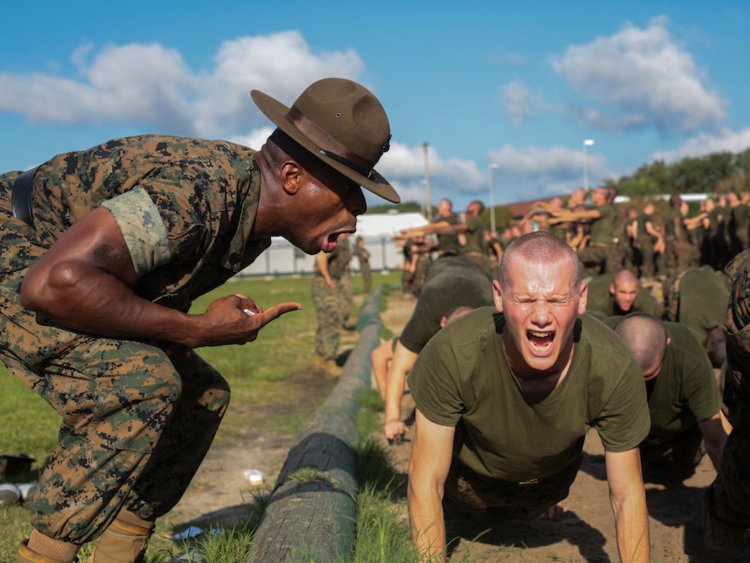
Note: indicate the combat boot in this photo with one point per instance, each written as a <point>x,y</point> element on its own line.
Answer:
<point>122,542</point>
<point>327,366</point>
<point>25,555</point>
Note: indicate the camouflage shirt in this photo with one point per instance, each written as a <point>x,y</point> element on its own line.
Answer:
<point>186,208</point>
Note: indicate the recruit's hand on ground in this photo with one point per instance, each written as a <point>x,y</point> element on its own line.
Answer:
<point>394,429</point>
<point>237,319</point>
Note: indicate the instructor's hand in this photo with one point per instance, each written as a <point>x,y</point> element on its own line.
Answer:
<point>237,319</point>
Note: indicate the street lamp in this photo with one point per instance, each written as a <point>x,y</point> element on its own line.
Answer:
<point>427,183</point>
<point>584,144</point>
<point>490,166</point>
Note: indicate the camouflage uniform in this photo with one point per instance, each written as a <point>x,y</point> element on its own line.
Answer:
<point>331,308</point>
<point>137,417</point>
<point>363,256</point>
<point>729,495</point>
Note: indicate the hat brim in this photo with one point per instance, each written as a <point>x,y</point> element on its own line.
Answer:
<point>277,112</point>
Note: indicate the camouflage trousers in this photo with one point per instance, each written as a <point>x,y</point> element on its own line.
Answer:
<point>467,490</point>
<point>602,258</point>
<point>330,312</point>
<point>136,420</point>
<point>364,269</point>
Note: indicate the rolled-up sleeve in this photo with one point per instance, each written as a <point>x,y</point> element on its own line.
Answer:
<point>143,229</point>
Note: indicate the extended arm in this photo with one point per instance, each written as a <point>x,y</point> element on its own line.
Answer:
<point>403,361</point>
<point>628,499</point>
<point>428,469</point>
<point>714,437</point>
<point>84,282</point>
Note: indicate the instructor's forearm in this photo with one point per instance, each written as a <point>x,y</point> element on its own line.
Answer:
<point>87,299</point>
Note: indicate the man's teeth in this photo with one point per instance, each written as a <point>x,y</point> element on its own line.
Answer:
<point>540,334</point>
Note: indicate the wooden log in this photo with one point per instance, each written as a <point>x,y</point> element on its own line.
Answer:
<point>311,513</point>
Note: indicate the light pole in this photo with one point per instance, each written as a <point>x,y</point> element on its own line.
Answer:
<point>490,166</point>
<point>584,144</point>
<point>427,183</point>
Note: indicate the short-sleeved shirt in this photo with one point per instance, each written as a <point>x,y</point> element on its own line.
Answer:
<point>475,236</point>
<point>448,245</point>
<point>462,379</point>
<point>452,282</point>
<point>684,391</point>
<point>607,227</point>
<point>602,301</point>
<point>703,299</point>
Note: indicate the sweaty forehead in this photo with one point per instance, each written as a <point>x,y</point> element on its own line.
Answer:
<point>556,275</point>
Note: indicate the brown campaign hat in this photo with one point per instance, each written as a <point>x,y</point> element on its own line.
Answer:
<point>340,122</point>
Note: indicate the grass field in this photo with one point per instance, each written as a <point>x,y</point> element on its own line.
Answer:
<point>262,376</point>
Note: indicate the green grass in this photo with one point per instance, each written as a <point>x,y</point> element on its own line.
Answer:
<point>271,393</point>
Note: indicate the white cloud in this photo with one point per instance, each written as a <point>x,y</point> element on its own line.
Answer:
<point>255,139</point>
<point>520,103</point>
<point>151,84</point>
<point>638,78</point>
<point>534,172</point>
<point>406,165</point>
<point>707,143</point>
<point>280,65</point>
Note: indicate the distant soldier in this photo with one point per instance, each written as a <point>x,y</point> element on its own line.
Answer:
<point>619,295</point>
<point>683,397</point>
<point>649,241</point>
<point>605,251</point>
<point>362,254</point>
<point>345,284</point>
<point>448,243</point>
<point>330,304</point>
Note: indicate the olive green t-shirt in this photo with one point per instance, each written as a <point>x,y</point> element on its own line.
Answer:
<point>684,391</point>
<point>474,236</point>
<point>607,226</point>
<point>452,282</point>
<point>704,296</point>
<point>462,379</point>
<point>448,245</point>
<point>602,301</point>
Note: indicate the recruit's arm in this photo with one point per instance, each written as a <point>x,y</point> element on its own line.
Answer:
<point>428,469</point>
<point>403,361</point>
<point>715,438</point>
<point>84,282</point>
<point>628,499</point>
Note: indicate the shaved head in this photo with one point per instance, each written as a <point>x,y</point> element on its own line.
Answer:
<point>539,246</point>
<point>647,340</point>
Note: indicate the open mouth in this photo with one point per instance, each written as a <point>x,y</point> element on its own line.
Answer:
<point>540,341</point>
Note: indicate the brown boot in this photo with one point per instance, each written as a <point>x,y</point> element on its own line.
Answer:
<point>327,366</point>
<point>122,543</point>
<point>25,555</point>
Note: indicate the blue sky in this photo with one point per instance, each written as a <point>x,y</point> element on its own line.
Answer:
<point>519,84</point>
